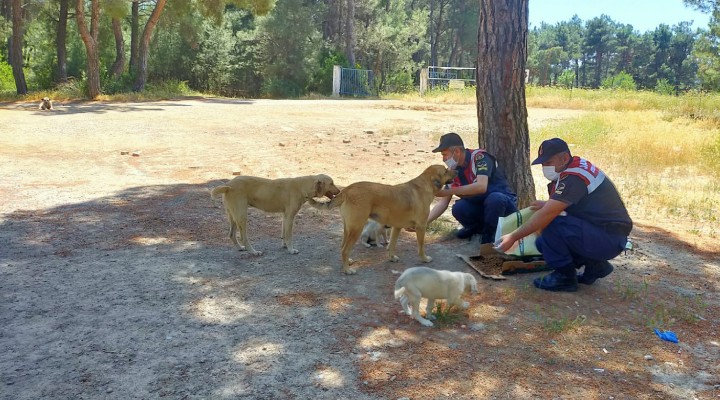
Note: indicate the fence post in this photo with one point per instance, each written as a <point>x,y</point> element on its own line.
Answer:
<point>423,81</point>
<point>336,81</point>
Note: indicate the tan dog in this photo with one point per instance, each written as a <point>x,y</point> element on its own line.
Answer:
<point>285,195</point>
<point>405,205</point>
<point>418,282</point>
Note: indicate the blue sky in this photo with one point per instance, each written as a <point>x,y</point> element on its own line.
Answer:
<point>643,15</point>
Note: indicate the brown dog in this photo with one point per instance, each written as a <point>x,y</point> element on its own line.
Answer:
<point>285,195</point>
<point>405,205</point>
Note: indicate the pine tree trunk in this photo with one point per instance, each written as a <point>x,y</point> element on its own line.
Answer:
<point>141,74</point>
<point>60,40</point>
<point>119,64</point>
<point>89,37</point>
<point>134,34</point>
<point>350,32</point>
<point>16,47</point>
<point>501,108</point>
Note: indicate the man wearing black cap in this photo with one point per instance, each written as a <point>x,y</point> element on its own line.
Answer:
<point>584,222</point>
<point>484,193</point>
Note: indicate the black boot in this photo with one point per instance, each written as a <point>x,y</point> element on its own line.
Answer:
<point>466,232</point>
<point>594,270</point>
<point>560,280</point>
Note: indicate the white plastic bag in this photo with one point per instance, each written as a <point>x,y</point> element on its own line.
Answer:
<point>524,246</point>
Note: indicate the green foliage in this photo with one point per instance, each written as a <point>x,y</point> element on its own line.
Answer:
<point>289,43</point>
<point>280,88</point>
<point>567,79</point>
<point>445,314</point>
<point>387,42</point>
<point>321,81</point>
<point>621,81</point>
<point>7,80</point>
<point>663,86</point>
<point>124,83</point>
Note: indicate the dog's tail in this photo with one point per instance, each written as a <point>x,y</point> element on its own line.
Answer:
<point>326,205</point>
<point>219,191</point>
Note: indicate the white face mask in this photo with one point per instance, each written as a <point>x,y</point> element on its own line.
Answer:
<point>451,163</point>
<point>549,172</point>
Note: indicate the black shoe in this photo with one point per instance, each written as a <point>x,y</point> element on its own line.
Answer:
<point>465,233</point>
<point>557,282</point>
<point>594,270</point>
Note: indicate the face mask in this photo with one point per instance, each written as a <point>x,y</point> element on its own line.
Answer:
<point>451,163</point>
<point>549,172</point>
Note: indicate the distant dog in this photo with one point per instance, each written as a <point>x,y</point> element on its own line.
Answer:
<point>374,233</point>
<point>46,104</point>
<point>405,205</point>
<point>285,195</point>
<point>422,282</point>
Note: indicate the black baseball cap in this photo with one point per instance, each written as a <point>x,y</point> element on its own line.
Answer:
<point>549,148</point>
<point>449,140</point>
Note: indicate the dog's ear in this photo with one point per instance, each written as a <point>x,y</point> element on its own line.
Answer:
<point>319,188</point>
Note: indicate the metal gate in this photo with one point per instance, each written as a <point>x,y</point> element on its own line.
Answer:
<point>353,82</point>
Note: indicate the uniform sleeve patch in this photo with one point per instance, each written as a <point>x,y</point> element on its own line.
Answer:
<point>481,165</point>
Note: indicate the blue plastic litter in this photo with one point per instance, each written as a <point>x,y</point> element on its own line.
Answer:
<point>670,336</point>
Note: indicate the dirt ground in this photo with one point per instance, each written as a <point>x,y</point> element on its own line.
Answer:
<point>118,280</point>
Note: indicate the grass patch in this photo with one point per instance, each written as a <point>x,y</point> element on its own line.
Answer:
<point>442,226</point>
<point>75,90</point>
<point>557,322</point>
<point>445,314</point>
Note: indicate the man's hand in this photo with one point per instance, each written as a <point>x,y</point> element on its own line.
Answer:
<point>504,243</point>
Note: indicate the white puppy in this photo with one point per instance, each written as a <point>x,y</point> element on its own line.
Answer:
<point>418,282</point>
<point>373,232</point>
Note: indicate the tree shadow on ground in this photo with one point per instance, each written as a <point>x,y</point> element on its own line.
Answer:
<point>141,294</point>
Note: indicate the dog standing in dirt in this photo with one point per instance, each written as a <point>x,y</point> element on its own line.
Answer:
<point>422,282</point>
<point>45,104</point>
<point>284,195</point>
<point>405,205</point>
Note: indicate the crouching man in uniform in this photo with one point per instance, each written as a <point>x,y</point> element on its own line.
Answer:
<point>584,223</point>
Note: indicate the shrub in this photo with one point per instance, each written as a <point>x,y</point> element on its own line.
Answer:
<point>663,86</point>
<point>621,81</point>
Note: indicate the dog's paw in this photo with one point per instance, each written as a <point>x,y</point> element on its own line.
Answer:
<point>426,322</point>
<point>465,305</point>
<point>394,258</point>
<point>350,271</point>
<point>256,253</point>
<point>366,244</point>
<point>427,259</point>
<point>293,251</point>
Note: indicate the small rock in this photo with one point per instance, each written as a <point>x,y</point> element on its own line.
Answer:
<point>281,144</point>
<point>124,153</point>
<point>369,131</point>
<point>237,173</point>
<point>136,153</point>
<point>477,327</point>
<point>648,357</point>
<point>346,140</point>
